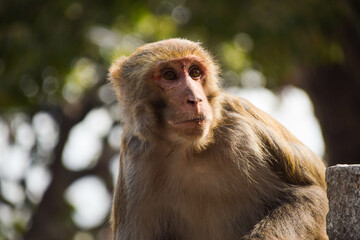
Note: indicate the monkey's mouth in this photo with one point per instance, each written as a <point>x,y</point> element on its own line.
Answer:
<point>196,120</point>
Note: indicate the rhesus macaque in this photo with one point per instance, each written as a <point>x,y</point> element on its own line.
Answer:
<point>199,164</point>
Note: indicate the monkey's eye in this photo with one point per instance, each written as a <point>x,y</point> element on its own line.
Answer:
<point>169,75</point>
<point>195,73</point>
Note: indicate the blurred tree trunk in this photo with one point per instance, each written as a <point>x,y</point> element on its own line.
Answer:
<point>335,92</point>
<point>336,98</point>
<point>52,218</point>
<point>47,222</point>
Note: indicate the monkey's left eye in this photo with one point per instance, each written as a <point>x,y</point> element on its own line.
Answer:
<point>195,73</point>
<point>169,75</point>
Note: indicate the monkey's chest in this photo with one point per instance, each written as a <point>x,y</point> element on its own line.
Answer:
<point>205,202</point>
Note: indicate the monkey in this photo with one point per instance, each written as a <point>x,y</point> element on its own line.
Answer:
<point>197,163</point>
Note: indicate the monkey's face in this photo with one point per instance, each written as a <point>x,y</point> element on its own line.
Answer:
<point>182,82</point>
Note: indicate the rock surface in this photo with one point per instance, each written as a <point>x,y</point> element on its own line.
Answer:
<point>343,219</point>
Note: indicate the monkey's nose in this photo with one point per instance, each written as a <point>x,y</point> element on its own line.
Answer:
<point>194,103</point>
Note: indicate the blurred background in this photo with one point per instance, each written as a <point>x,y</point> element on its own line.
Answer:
<point>60,125</point>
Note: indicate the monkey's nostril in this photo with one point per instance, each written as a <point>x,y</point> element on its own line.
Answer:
<point>192,102</point>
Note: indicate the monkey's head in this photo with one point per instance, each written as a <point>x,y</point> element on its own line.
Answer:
<point>168,89</point>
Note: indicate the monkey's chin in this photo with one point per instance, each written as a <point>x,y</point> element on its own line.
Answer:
<point>190,130</point>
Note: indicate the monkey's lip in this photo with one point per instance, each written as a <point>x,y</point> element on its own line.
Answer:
<point>197,120</point>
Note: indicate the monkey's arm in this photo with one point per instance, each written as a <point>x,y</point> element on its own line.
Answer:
<point>300,216</point>
<point>300,212</point>
<point>119,205</point>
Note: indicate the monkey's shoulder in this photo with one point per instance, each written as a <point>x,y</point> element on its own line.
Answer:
<point>239,109</point>
<point>258,119</point>
<point>244,107</point>
<point>284,152</point>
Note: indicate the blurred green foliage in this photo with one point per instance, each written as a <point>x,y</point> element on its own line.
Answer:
<point>41,42</point>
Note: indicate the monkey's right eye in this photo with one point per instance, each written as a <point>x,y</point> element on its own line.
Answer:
<point>169,75</point>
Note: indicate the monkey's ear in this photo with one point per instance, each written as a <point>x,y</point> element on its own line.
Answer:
<point>116,76</point>
<point>116,70</point>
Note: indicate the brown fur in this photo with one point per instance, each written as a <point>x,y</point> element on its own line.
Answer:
<point>245,178</point>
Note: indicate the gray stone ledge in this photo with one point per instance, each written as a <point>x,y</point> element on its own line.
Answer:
<point>343,191</point>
